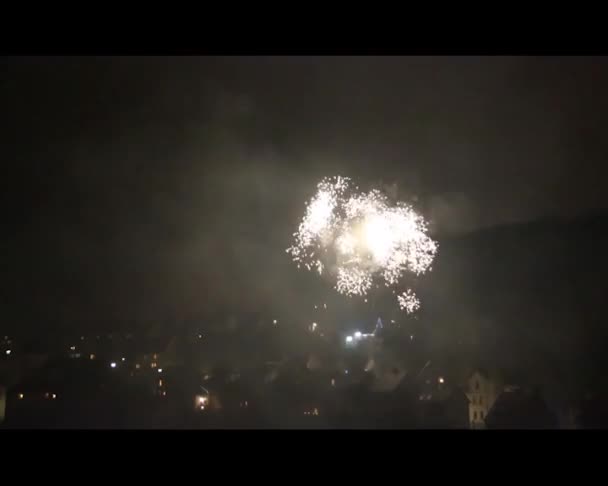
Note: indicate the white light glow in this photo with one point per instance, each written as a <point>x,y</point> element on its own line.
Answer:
<point>349,339</point>
<point>112,364</point>
<point>357,237</point>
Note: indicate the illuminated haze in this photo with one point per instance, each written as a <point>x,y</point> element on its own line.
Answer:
<point>147,189</point>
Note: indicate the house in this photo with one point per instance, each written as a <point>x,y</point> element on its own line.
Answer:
<point>482,391</point>
<point>517,408</point>
<point>2,403</point>
<point>157,353</point>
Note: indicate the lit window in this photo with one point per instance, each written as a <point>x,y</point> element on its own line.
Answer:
<point>72,348</point>
<point>201,401</point>
<point>160,382</point>
<point>315,411</point>
<point>92,356</point>
<point>153,365</point>
<point>333,382</point>
<point>137,366</point>
<point>155,356</point>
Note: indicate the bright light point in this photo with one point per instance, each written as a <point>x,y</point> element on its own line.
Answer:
<point>8,351</point>
<point>201,401</point>
<point>72,348</point>
<point>112,365</point>
<point>20,396</point>
<point>200,336</point>
<point>346,372</point>
<point>54,396</point>
<point>349,339</point>
<point>91,356</point>
<point>160,370</point>
<point>441,380</point>
<point>122,359</point>
<point>313,326</point>
<point>411,337</point>
<point>358,335</point>
<point>275,322</point>
<point>365,301</point>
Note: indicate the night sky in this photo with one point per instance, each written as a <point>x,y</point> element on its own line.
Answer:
<point>163,188</point>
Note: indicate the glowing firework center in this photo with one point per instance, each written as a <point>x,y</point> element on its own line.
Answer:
<point>359,237</point>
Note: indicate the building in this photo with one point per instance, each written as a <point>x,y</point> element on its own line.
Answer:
<point>2,403</point>
<point>518,408</point>
<point>482,391</point>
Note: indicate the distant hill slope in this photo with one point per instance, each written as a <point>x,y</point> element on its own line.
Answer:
<point>530,294</point>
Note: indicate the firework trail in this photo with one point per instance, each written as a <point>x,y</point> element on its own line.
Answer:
<point>360,238</point>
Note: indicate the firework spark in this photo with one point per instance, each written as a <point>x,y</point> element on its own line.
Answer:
<point>408,301</point>
<point>360,237</point>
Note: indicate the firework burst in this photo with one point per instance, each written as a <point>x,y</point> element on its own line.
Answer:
<point>358,238</point>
